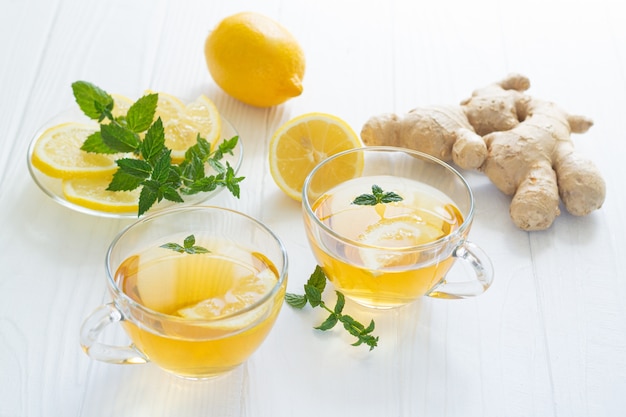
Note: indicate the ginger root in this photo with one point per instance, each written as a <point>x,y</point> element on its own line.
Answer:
<point>443,132</point>
<point>523,144</point>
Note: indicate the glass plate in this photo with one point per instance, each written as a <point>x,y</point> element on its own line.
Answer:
<point>54,189</point>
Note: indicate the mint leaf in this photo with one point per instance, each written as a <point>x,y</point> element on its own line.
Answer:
<point>296,300</point>
<point>130,174</point>
<point>123,182</point>
<point>365,200</point>
<point>232,182</point>
<point>154,142</point>
<point>329,323</point>
<point>390,197</point>
<point>174,176</point>
<point>189,241</point>
<point>313,294</point>
<point>226,147</point>
<point>205,184</point>
<point>217,166</point>
<point>95,144</point>
<point>369,328</point>
<point>196,250</point>
<point>378,196</point>
<point>147,197</point>
<point>201,150</point>
<point>119,138</point>
<point>341,302</point>
<point>193,169</point>
<point>173,246</point>
<point>141,113</point>
<point>352,326</point>
<point>134,167</point>
<point>318,279</point>
<point>161,167</point>
<point>189,246</point>
<point>170,194</point>
<point>93,101</point>
<point>360,332</point>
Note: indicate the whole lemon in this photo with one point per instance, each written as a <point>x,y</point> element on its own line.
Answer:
<point>255,59</point>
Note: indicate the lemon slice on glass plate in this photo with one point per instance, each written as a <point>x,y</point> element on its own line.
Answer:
<point>78,179</point>
<point>92,193</point>
<point>183,122</point>
<point>57,153</point>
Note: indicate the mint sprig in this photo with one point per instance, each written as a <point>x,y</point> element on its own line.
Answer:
<point>313,290</point>
<point>188,246</point>
<point>150,165</point>
<point>96,103</point>
<point>378,196</point>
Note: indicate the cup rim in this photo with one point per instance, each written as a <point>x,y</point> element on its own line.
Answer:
<point>119,294</point>
<point>392,149</point>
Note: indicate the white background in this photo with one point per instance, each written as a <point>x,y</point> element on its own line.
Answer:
<point>549,337</point>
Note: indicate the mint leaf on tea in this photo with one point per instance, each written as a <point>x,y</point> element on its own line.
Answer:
<point>188,246</point>
<point>378,196</point>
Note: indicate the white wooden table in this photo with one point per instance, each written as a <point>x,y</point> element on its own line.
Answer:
<point>548,338</point>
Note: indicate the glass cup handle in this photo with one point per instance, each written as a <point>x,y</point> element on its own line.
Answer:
<point>480,265</point>
<point>91,329</point>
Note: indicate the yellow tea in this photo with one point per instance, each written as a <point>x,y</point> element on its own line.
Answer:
<point>196,335</point>
<point>378,262</point>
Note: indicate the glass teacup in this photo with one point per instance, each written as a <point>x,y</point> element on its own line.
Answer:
<point>197,290</point>
<point>389,252</point>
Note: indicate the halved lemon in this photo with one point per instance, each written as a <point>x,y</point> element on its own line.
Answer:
<point>304,141</point>
<point>92,193</point>
<point>182,123</point>
<point>57,153</point>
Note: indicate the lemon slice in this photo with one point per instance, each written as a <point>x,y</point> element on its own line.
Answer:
<point>92,193</point>
<point>182,123</point>
<point>57,153</point>
<point>301,143</point>
<point>168,105</point>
